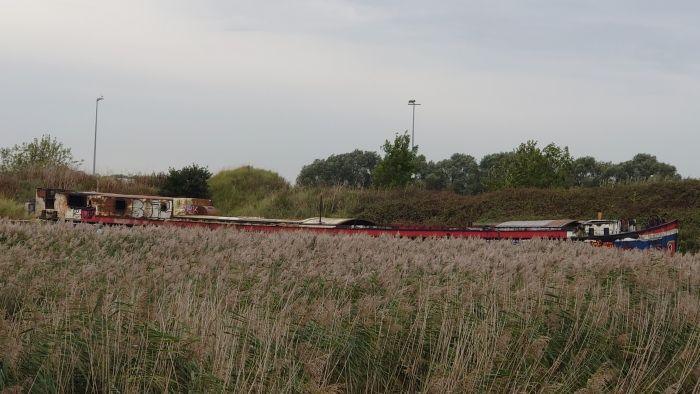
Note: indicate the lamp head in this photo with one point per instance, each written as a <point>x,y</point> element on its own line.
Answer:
<point>100,98</point>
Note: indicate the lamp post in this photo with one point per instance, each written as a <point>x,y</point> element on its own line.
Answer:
<point>94,150</point>
<point>413,103</point>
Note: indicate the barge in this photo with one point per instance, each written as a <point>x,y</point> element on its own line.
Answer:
<point>138,210</point>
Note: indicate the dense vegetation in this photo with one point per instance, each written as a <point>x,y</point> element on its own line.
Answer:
<point>46,162</point>
<point>453,194</point>
<point>642,200</point>
<point>352,169</point>
<point>38,153</point>
<point>157,309</point>
<point>526,166</point>
<point>189,181</point>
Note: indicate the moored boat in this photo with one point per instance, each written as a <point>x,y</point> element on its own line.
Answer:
<point>140,210</point>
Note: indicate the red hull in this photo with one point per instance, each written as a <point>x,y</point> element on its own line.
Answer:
<point>409,232</point>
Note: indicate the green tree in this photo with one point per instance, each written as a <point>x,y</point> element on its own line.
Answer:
<point>558,166</point>
<point>493,160</point>
<point>530,166</point>
<point>459,173</point>
<point>347,169</point>
<point>643,166</point>
<point>39,153</point>
<point>400,164</point>
<point>493,170</point>
<point>190,181</point>
<point>589,172</point>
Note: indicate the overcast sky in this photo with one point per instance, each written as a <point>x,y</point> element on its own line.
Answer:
<point>275,84</point>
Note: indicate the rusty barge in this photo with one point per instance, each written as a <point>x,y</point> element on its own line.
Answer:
<point>138,210</point>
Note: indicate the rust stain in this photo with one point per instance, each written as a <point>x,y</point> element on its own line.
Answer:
<point>66,205</point>
<point>193,206</point>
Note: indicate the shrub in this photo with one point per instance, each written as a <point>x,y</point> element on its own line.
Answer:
<point>190,181</point>
<point>352,169</point>
<point>239,191</point>
<point>41,152</point>
<point>11,210</point>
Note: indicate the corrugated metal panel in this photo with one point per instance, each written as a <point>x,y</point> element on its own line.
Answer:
<point>548,223</point>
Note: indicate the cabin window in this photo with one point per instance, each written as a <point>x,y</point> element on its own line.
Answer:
<point>164,207</point>
<point>120,206</point>
<point>606,231</point>
<point>76,201</point>
<point>590,231</point>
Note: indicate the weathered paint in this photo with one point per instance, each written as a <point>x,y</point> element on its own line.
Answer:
<point>104,204</point>
<point>65,212</point>
<point>193,207</point>
<point>598,227</point>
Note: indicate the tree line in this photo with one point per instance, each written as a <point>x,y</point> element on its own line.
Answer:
<point>399,165</point>
<point>528,165</point>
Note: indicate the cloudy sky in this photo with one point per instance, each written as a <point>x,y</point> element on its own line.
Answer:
<point>276,84</point>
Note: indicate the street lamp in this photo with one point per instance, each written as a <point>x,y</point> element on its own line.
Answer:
<point>94,151</point>
<point>413,103</point>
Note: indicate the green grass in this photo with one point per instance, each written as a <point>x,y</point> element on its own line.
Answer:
<point>240,191</point>
<point>11,210</point>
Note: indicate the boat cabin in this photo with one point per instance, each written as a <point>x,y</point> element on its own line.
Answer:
<point>60,204</point>
<point>601,227</point>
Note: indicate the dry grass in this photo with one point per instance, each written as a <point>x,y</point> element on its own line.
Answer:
<point>21,186</point>
<point>149,309</point>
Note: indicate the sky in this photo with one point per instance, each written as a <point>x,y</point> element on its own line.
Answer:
<point>276,84</point>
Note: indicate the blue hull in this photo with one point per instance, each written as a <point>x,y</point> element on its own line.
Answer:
<point>668,242</point>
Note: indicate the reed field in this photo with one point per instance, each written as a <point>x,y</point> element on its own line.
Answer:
<point>84,308</point>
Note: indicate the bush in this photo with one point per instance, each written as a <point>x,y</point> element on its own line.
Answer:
<point>352,169</point>
<point>239,191</point>
<point>41,152</point>
<point>190,181</point>
<point>11,210</point>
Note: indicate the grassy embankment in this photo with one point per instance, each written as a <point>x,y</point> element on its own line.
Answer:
<point>158,309</point>
<point>673,200</point>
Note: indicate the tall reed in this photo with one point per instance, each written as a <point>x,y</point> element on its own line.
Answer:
<point>84,308</point>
